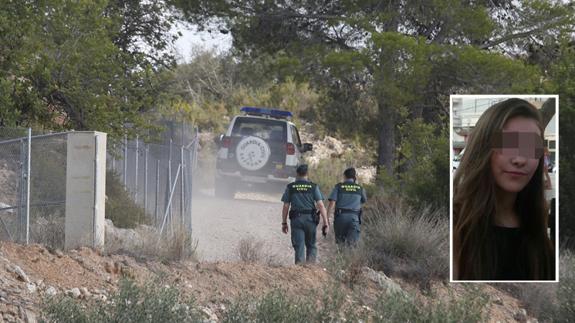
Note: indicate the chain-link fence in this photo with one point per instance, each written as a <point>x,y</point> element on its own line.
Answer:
<point>32,190</point>
<point>159,177</point>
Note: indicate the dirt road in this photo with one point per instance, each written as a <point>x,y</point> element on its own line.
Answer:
<point>219,225</point>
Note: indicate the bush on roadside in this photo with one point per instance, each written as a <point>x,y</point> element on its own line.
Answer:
<point>566,289</point>
<point>329,172</point>
<point>336,306</point>
<point>469,307</point>
<point>120,207</point>
<point>155,302</point>
<point>151,302</point>
<point>278,306</point>
<point>251,250</point>
<point>347,264</point>
<point>552,302</point>
<point>538,298</point>
<point>146,242</point>
<point>403,241</point>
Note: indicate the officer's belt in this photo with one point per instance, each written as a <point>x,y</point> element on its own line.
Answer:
<point>342,210</point>
<point>303,211</point>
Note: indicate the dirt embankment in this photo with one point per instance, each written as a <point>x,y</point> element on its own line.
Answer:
<point>28,273</point>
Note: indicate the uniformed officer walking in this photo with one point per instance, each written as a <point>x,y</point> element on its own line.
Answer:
<point>345,202</point>
<point>302,199</point>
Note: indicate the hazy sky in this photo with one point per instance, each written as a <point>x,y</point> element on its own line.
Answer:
<point>192,38</point>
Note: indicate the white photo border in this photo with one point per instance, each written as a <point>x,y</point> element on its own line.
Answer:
<point>451,173</point>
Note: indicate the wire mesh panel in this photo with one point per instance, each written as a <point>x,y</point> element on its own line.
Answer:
<point>41,219</point>
<point>48,190</point>
<point>13,154</point>
<point>159,176</point>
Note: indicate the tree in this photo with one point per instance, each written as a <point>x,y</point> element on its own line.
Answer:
<point>406,55</point>
<point>561,80</point>
<point>84,65</point>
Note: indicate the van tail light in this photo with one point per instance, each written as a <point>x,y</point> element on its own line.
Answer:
<point>226,142</point>
<point>290,148</point>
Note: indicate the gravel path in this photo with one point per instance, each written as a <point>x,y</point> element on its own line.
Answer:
<point>219,225</point>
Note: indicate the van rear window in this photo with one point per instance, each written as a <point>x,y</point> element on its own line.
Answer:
<point>271,130</point>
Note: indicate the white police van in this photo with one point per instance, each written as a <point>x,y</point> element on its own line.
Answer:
<point>261,146</point>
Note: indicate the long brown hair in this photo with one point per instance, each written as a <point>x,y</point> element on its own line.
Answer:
<point>475,203</point>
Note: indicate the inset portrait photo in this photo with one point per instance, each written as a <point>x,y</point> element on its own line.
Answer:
<point>504,182</point>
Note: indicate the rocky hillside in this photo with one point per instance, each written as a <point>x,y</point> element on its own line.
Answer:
<point>327,147</point>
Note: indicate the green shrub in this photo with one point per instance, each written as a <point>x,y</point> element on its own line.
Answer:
<point>329,172</point>
<point>335,306</point>
<point>154,302</point>
<point>401,308</point>
<point>151,302</point>
<point>276,306</point>
<point>427,182</point>
<point>120,207</point>
<point>551,302</point>
<point>400,240</point>
<point>566,289</point>
<point>422,168</point>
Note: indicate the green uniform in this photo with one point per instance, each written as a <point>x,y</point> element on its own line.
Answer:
<point>302,196</point>
<point>348,198</point>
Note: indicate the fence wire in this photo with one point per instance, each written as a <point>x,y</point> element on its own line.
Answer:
<point>159,177</point>
<point>41,220</point>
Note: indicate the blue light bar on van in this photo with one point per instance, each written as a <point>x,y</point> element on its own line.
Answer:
<point>267,112</point>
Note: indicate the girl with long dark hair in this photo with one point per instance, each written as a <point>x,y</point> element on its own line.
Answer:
<point>499,208</point>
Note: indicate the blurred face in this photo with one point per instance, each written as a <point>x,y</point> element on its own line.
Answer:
<point>515,160</point>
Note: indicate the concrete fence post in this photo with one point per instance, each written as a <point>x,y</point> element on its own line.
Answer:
<point>125,170</point>
<point>157,192</point>
<point>28,180</point>
<point>182,187</point>
<point>22,193</point>
<point>146,179</point>
<point>85,189</point>
<point>167,197</point>
<point>137,170</point>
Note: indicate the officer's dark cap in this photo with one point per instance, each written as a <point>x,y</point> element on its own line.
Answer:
<point>349,173</point>
<point>301,170</point>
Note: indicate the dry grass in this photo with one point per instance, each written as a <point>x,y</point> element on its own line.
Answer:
<point>48,230</point>
<point>145,242</point>
<point>252,250</point>
<point>354,260</point>
<point>403,241</point>
<point>398,240</point>
<point>548,301</point>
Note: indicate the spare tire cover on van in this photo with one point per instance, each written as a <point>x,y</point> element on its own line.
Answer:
<point>252,153</point>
